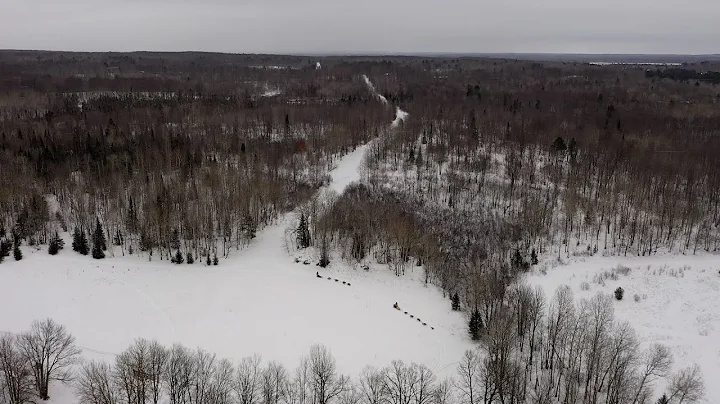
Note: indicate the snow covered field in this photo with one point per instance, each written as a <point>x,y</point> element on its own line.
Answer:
<point>678,303</point>
<point>257,301</point>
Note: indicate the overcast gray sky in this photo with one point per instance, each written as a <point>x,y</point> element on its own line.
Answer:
<point>391,26</point>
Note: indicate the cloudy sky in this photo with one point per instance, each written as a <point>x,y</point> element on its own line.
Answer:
<point>358,26</point>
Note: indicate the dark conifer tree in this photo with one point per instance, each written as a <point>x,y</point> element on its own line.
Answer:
<point>663,400</point>
<point>533,257</point>
<point>475,325</point>
<point>5,249</point>
<point>215,260</point>
<point>178,258</point>
<point>132,218</point>
<point>559,144</point>
<point>54,245</point>
<point>99,236</point>
<point>83,245</point>
<point>303,232</point>
<point>76,240</point>
<point>324,258</point>
<point>456,302</point>
<point>17,253</point>
<point>99,242</point>
<point>190,258</point>
<point>208,261</point>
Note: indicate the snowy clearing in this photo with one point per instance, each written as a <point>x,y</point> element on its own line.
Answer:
<point>676,305</point>
<point>257,301</point>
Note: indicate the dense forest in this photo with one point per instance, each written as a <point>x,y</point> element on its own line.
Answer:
<point>190,155</point>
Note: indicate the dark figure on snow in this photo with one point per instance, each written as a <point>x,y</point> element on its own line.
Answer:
<point>395,306</point>
<point>317,274</point>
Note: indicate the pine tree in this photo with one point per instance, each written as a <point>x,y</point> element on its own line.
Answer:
<point>5,248</point>
<point>190,258</point>
<point>208,261</point>
<point>132,220</point>
<point>17,253</point>
<point>54,245</point>
<point>178,258</point>
<point>619,293</point>
<point>533,257</point>
<point>303,232</point>
<point>475,325</point>
<point>518,262</point>
<point>215,260</point>
<point>60,242</point>
<point>83,245</point>
<point>76,240</point>
<point>99,236</point>
<point>663,400</point>
<point>324,258</point>
<point>456,302</point>
<point>99,242</point>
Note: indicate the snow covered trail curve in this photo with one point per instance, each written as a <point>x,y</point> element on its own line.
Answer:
<point>400,115</point>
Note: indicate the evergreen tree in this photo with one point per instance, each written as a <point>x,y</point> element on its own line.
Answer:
<point>178,258</point>
<point>455,302</point>
<point>619,293</point>
<point>83,245</point>
<point>132,218</point>
<point>208,262</point>
<point>60,242</point>
<point>190,259</point>
<point>99,236</point>
<point>5,248</point>
<point>475,325</point>
<point>663,400</point>
<point>76,240</point>
<point>303,232</point>
<point>54,245</point>
<point>324,258</point>
<point>17,253</point>
<point>533,257</point>
<point>559,144</point>
<point>215,260</point>
<point>99,242</point>
<point>518,262</point>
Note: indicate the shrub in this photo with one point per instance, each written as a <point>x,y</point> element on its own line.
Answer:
<point>623,270</point>
<point>619,292</point>
<point>636,297</point>
<point>585,286</point>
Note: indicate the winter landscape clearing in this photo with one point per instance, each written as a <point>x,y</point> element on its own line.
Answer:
<point>672,300</point>
<point>257,301</point>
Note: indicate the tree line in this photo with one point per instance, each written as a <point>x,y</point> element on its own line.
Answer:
<point>533,351</point>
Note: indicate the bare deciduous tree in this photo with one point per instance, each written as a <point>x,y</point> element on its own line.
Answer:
<point>467,384</point>
<point>16,383</point>
<point>51,352</point>
<point>687,386</point>
<point>372,386</point>
<point>95,384</point>
<point>325,381</point>
<point>657,364</point>
<point>247,379</point>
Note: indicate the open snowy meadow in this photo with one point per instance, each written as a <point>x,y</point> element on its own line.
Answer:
<point>672,300</point>
<point>259,300</point>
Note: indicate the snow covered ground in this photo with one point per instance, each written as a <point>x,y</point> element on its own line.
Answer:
<point>257,301</point>
<point>678,303</point>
